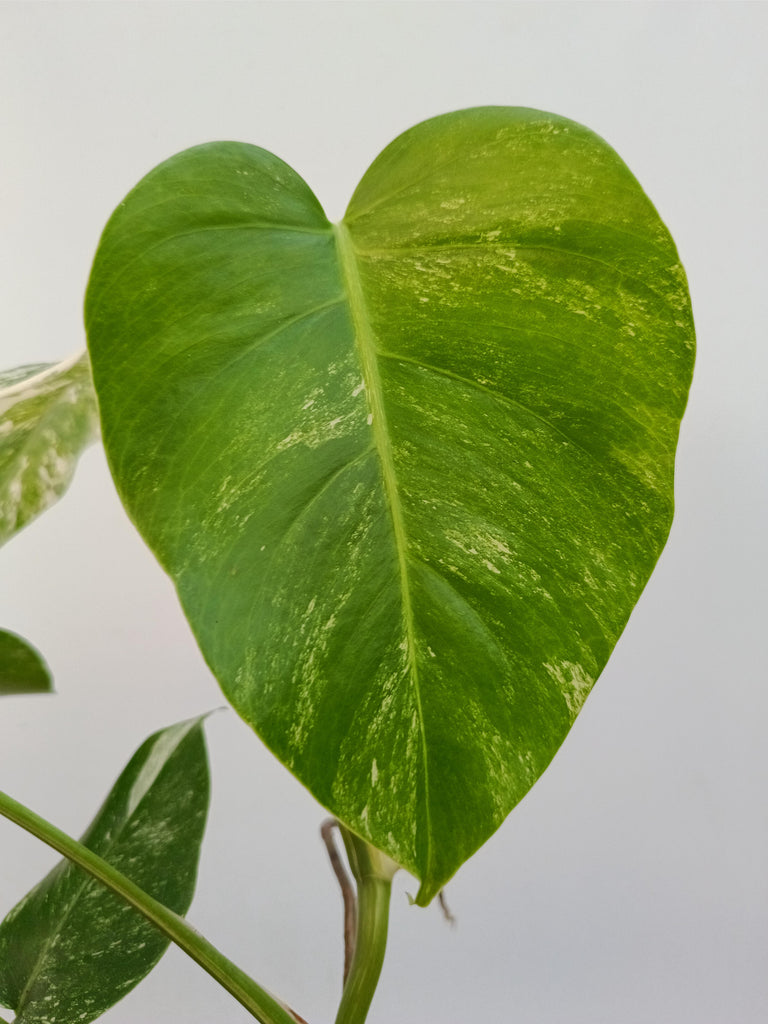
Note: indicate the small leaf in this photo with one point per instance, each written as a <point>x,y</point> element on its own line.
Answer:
<point>71,948</point>
<point>22,669</point>
<point>48,415</point>
<point>409,473</point>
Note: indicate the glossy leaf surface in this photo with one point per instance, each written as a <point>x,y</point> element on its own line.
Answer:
<point>71,948</point>
<point>410,473</point>
<point>22,669</point>
<point>48,416</point>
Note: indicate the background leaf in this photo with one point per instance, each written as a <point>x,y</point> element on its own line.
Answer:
<point>72,948</point>
<point>48,416</point>
<point>409,474</point>
<point>22,669</point>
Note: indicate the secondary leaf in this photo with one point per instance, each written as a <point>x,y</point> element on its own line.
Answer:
<point>22,669</point>
<point>409,473</point>
<point>71,948</point>
<point>48,415</point>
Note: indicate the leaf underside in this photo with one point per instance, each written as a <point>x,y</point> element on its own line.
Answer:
<point>71,948</point>
<point>411,472</point>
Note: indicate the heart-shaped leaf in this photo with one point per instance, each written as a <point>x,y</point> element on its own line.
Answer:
<point>71,948</point>
<point>409,473</point>
<point>22,669</point>
<point>48,416</point>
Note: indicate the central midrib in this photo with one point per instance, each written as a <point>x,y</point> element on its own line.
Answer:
<point>366,347</point>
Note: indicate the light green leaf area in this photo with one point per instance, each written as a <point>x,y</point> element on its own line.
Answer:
<point>71,948</point>
<point>409,473</point>
<point>48,415</point>
<point>22,669</point>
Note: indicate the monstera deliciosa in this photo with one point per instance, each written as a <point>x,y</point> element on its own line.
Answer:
<point>409,472</point>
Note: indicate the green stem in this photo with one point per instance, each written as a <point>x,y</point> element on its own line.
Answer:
<point>373,873</point>
<point>259,1003</point>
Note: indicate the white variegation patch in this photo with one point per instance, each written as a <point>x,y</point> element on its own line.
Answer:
<point>48,415</point>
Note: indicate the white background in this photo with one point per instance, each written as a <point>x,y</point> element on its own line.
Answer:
<point>631,885</point>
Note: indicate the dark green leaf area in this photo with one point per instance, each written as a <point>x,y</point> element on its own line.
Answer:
<point>410,473</point>
<point>22,669</point>
<point>71,948</point>
<point>217,267</point>
<point>519,590</point>
<point>534,347</point>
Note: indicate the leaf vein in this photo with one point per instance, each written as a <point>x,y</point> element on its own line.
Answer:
<point>368,356</point>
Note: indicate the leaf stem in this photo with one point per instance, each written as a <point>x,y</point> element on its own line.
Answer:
<point>373,873</point>
<point>347,892</point>
<point>259,1003</point>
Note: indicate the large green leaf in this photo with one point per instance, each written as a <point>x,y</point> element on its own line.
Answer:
<point>409,473</point>
<point>72,948</point>
<point>22,669</point>
<point>48,416</point>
